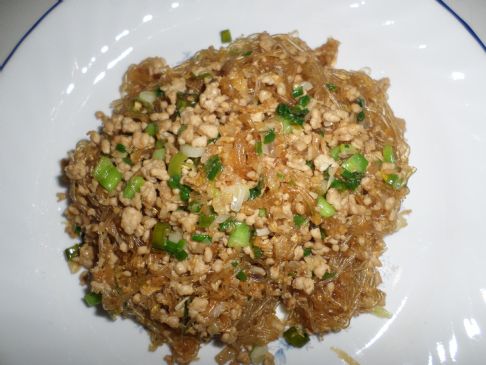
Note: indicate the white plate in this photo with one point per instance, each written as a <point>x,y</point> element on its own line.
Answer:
<point>71,66</point>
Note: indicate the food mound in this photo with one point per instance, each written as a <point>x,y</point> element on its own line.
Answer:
<point>248,178</point>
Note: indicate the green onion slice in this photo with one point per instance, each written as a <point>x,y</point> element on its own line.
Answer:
<point>225,36</point>
<point>240,237</point>
<point>298,91</point>
<point>269,136</point>
<point>325,209</point>
<point>228,225</point>
<point>356,163</point>
<point>107,174</point>
<point>299,220</point>
<point>241,276</point>
<point>206,220</point>
<point>259,148</point>
<point>159,235</point>
<point>256,191</point>
<point>203,238</point>
<point>388,154</point>
<point>331,87</point>
<point>175,164</point>
<point>213,167</point>
<point>393,180</point>
<point>304,101</point>
<point>72,252</point>
<point>328,275</point>
<point>151,129</point>
<point>121,148</point>
<point>257,251</point>
<point>159,154</point>
<point>296,336</point>
<point>133,186</point>
<point>360,116</point>
<point>92,299</point>
<point>194,206</point>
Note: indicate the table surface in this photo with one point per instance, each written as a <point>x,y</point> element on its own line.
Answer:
<point>18,16</point>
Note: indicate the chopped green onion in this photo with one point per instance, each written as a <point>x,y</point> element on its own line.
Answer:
<point>159,92</point>
<point>133,186</point>
<point>180,255</point>
<point>175,164</point>
<point>328,275</point>
<point>256,191</point>
<point>348,181</point>
<point>240,237</point>
<point>228,224</point>
<point>121,148</point>
<point>259,148</point>
<point>72,252</point>
<point>199,237</point>
<point>194,206</point>
<point>175,249</point>
<point>241,276</point>
<point>298,91</point>
<point>77,230</point>
<point>360,116</point>
<point>225,36</point>
<point>174,182</point>
<point>356,163</point>
<point>335,153</point>
<point>286,126</point>
<point>213,167</point>
<point>257,251</point>
<point>307,251</point>
<point>185,314</point>
<point>262,212</point>
<point>206,220</point>
<point>107,174</point>
<point>381,312</point>
<point>92,299</point>
<point>269,136</point>
<point>127,160</point>
<point>325,209</point>
<point>151,129</point>
<point>181,129</point>
<point>294,116</point>
<point>310,163</point>
<point>280,176</point>
<point>331,87</point>
<point>299,220</point>
<point>247,53</point>
<point>184,100</point>
<point>184,192</point>
<point>360,102</point>
<point>388,154</point>
<point>234,263</point>
<point>203,75</point>
<point>161,243</point>
<point>213,140</point>
<point>159,154</point>
<point>296,337</point>
<point>393,180</point>
<point>304,101</point>
<point>147,96</point>
<point>159,235</point>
